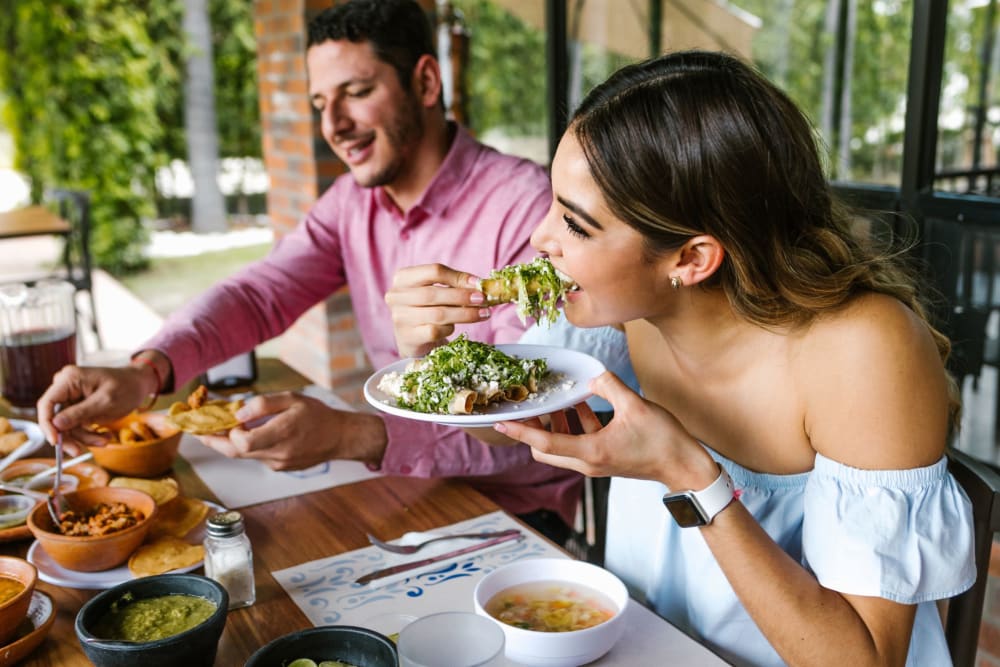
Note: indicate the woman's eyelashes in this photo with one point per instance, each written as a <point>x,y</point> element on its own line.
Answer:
<point>575,229</point>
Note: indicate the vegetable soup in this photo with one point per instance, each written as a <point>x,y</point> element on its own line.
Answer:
<point>551,606</point>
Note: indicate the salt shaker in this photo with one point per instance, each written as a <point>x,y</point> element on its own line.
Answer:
<point>228,558</point>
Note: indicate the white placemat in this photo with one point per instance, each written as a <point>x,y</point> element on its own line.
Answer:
<point>242,482</point>
<point>325,591</point>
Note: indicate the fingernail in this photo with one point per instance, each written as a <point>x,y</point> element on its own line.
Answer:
<point>59,422</point>
<point>500,426</point>
<point>476,297</point>
<point>473,281</point>
<point>484,313</point>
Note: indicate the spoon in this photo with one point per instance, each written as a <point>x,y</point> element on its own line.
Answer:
<point>56,503</point>
<point>414,548</point>
<point>49,471</point>
<point>23,449</point>
<point>13,488</point>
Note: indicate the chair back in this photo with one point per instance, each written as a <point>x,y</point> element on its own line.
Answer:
<point>965,611</point>
<point>74,207</point>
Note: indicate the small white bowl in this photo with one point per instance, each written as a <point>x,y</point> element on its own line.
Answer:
<point>14,510</point>
<point>556,649</point>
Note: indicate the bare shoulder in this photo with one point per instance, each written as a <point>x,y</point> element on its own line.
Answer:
<point>874,386</point>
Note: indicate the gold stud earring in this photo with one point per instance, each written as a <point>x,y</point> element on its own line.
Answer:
<point>676,282</point>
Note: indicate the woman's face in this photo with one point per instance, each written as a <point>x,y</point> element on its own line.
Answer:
<point>596,249</point>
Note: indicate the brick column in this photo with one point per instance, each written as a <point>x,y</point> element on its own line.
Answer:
<point>324,344</point>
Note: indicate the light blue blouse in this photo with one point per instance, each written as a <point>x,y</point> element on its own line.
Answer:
<point>904,535</point>
<point>607,344</point>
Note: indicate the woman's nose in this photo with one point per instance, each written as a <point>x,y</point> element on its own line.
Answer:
<point>542,240</point>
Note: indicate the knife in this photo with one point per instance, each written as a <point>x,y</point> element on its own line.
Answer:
<point>412,565</point>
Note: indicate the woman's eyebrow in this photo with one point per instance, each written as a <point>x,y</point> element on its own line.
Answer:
<point>580,212</point>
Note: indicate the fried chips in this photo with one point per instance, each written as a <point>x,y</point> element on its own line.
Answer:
<point>163,490</point>
<point>178,517</point>
<point>10,439</point>
<point>164,554</point>
<point>203,417</point>
<point>135,432</point>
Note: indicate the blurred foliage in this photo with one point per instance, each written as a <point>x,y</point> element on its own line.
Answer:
<point>506,71</point>
<point>92,97</point>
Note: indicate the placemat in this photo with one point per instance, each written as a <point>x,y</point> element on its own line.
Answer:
<point>242,482</point>
<point>325,591</point>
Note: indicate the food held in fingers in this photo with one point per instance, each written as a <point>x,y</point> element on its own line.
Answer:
<point>202,416</point>
<point>536,288</point>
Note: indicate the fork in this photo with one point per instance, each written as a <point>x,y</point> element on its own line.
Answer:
<point>414,548</point>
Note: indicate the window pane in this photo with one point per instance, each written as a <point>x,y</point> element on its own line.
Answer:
<point>505,75</point>
<point>969,116</point>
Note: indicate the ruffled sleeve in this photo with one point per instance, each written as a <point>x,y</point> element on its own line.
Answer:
<point>903,535</point>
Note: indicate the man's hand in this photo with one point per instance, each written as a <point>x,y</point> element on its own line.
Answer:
<point>288,431</point>
<point>87,395</point>
<point>427,301</point>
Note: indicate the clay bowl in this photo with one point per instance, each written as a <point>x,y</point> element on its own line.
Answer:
<point>14,610</point>
<point>93,553</point>
<point>148,458</point>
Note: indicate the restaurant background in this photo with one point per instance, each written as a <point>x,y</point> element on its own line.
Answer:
<point>903,93</point>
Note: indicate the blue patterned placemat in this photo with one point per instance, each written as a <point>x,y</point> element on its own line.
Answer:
<point>325,590</point>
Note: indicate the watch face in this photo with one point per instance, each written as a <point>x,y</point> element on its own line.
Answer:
<point>682,507</point>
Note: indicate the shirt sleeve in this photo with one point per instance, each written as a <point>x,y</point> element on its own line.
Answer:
<point>256,304</point>
<point>903,535</point>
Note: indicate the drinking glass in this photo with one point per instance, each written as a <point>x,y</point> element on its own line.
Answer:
<point>451,639</point>
<point>37,338</point>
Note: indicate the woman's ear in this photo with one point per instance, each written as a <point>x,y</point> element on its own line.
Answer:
<point>427,80</point>
<point>698,259</point>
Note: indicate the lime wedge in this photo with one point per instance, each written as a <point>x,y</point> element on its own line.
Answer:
<point>302,662</point>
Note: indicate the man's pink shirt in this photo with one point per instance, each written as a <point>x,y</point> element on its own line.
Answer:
<point>477,214</point>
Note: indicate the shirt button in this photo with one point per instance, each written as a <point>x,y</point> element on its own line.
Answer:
<point>406,470</point>
<point>405,236</point>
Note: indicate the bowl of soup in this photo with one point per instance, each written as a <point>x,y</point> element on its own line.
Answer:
<point>103,527</point>
<point>555,612</point>
<point>17,582</point>
<point>142,444</point>
<point>159,621</point>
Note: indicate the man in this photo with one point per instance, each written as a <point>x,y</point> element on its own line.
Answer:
<point>420,190</point>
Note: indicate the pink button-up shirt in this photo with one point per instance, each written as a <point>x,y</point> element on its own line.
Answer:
<point>476,214</point>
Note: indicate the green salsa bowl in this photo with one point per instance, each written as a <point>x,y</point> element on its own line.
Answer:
<point>194,647</point>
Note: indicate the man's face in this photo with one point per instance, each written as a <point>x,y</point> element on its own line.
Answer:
<point>368,119</point>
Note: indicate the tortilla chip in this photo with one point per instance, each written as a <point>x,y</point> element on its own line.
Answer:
<point>164,554</point>
<point>163,490</point>
<point>5,426</point>
<point>11,441</point>
<point>179,517</point>
<point>212,417</point>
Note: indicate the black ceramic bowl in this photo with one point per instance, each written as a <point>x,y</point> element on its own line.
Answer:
<point>192,648</point>
<point>357,646</point>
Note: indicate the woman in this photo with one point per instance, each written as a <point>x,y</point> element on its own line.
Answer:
<point>790,378</point>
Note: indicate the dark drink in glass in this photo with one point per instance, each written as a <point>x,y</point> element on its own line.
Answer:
<point>29,359</point>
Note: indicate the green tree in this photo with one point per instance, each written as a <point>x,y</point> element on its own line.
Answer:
<point>81,106</point>
<point>92,97</point>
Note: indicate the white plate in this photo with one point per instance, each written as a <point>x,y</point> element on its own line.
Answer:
<point>34,433</point>
<point>53,573</point>
<point>576,367</point>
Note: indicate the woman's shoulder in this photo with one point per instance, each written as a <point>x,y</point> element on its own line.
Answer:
<point>874,386</point>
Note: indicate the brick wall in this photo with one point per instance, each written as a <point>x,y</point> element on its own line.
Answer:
<point>324,344</point>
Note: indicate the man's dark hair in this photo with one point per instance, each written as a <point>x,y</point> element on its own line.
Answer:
<point>398,31</point>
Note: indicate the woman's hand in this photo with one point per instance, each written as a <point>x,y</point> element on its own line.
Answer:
<point>427,301</point>
<point>642,441</point>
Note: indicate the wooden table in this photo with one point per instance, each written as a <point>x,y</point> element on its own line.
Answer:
<point>289,532</point>
<point>32,221</point>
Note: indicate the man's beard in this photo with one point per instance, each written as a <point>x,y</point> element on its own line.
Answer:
<point>402,133</point>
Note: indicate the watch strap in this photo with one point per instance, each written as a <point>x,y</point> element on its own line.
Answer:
<point>716,496</point>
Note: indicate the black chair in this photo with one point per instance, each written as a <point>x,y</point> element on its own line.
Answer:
<point>73,206</point>
<point>965,611</point>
